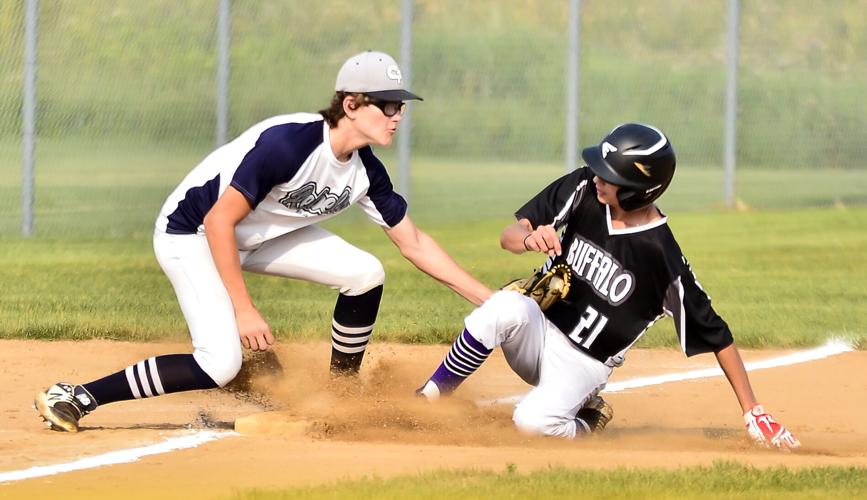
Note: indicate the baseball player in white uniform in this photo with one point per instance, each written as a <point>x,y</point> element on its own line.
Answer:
<point>627,272</point>
<point>254,205</point>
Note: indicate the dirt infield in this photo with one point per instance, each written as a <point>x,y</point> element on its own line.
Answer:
<point>375,428</point>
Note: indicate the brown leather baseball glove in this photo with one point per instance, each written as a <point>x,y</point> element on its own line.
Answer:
<point>545,288</point>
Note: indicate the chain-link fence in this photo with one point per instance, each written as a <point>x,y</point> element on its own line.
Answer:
<point>126,97</point>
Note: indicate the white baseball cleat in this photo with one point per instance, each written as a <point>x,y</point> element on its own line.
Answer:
<point>429,391</point>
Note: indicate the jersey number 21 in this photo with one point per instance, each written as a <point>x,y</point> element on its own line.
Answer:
<point>591,321</point>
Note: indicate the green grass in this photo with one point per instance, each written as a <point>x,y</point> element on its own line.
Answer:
<point>86,188</point>
<point>780,278</point>
<point>90,188</point>
<point>722,480</point>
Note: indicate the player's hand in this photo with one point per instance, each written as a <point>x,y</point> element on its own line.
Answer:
<point>543,239</point>
<point>254,331</point>
<point>768,432</point>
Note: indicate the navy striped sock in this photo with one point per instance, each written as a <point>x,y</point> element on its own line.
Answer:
<point>464,358</point>
<point>151,377</point>
<point>354,317</point>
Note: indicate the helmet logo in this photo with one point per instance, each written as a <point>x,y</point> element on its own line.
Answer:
<point>607,148</point>
<point>642,168</point>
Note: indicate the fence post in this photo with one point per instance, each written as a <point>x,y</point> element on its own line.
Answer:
<point>572,73</point>
<point>28,113</point>
<point>224,38</point>
<point>404,139</point>
<point>731,105</point>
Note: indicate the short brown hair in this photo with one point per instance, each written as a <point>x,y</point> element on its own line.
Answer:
<point>334,112</point>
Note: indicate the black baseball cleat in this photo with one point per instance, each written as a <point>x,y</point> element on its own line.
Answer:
<point>595,414</point>
<point>62,405</point>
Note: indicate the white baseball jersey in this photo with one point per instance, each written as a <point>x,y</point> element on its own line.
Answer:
<point>286,169</point>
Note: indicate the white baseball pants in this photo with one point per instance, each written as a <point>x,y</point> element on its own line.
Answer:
<point>311,254</point>
<point>535,349</point>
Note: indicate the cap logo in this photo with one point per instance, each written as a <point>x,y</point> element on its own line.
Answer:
<point>393,73</point>
<point>607,148</point>
<point>642,168</point>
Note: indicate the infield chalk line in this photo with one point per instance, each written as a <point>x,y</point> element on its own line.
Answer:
<point>117,457</point>
<point>830,348</point>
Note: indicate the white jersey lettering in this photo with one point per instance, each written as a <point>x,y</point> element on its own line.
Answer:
<point>600,270</point>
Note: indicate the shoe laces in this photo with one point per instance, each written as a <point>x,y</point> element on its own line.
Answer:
<point>67,397</point>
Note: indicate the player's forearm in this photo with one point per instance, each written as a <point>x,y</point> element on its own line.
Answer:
<point>430,258</point>
<point>521,237</point>
<point>224,251</point>
<point>732,365</point>
<point>514,236</point>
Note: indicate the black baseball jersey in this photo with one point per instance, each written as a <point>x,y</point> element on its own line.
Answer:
<point>623,280</point>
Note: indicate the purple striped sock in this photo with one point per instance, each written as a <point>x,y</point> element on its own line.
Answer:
<point>465,357</point>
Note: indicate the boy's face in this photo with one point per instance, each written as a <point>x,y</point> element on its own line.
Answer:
<point>606,193</point>
<point>373,123</point>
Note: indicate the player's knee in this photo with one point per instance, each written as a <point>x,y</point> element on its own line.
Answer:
<point>502,316</point>
<point>510,306</point>
<point>536,421</point>
<point>367,274</point>
<point>528,420</point>
<point>221,365</point>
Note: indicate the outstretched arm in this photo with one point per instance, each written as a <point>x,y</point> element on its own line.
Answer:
<point>426,254</point>
<point>760,425</point>
<point>730,362</point>
<point>220,224</point>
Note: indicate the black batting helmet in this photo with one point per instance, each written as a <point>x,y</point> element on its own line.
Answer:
<point>639,158</point>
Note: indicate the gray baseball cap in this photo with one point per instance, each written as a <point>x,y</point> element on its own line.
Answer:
<point>375,74</point>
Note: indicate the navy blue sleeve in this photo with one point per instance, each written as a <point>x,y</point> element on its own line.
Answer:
<point>278,154</point>
<point>389,204</point>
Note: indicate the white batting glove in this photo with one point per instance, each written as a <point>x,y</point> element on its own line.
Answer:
<point>768,432</point>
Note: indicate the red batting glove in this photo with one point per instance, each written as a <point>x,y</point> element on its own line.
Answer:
<point>768,432</point>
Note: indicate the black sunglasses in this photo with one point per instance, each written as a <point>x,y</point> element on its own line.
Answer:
<point>388,108</point>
